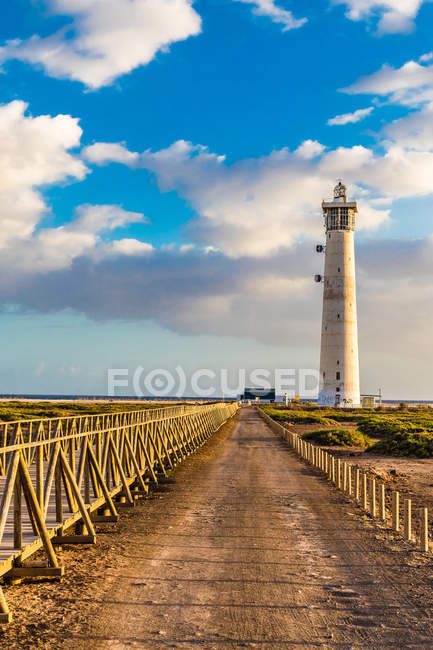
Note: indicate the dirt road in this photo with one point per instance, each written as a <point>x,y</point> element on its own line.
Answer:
<point>245,547</point>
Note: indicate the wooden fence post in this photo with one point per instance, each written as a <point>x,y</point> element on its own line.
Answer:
<point>396,511</point>
<point>364,491</point>
<point>373,497</point>
<point>382,509</point>
<point>423,532</point>
<point>408,520</point>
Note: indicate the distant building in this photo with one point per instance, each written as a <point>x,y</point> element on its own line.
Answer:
<point>339,362</point>
<point>265,394</point>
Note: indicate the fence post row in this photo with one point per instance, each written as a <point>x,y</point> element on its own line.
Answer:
<point>367,491</point>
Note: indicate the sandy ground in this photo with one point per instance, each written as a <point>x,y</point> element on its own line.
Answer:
<point>244,547</point>
<point>412,477</point>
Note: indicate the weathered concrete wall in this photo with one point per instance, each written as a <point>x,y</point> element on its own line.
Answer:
<point>339,362</point>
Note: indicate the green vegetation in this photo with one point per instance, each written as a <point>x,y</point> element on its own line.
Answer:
<point>20,410</point>
<point>406,443</point>
<point>379,426</point>
<point>339,437</point>
<point>401,431</point>
<point>387,426</point>
<point>296,416</point>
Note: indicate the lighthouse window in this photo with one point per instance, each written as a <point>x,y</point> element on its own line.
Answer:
<point>337,390</point>
<point>337,375</point>
<point>339,269</point>
<point>338,316</point>
<point>338,363</point>
<point>344,216</point>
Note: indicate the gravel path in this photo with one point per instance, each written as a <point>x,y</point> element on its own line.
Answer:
<point>245,547</point>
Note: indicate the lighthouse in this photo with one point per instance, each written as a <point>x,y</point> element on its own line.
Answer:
<point>339,361</point>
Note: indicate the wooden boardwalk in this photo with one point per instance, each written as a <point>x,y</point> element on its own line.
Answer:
<point>60,476</point>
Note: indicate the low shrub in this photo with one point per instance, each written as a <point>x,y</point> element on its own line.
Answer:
<point>378,427</point>
<point>339,437</point>
<point>342,416</point>
<point>406,443</point>
<point>296,416</point>
<point>386,427</point>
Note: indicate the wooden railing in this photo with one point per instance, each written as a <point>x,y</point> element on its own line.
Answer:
<point>62,475</point>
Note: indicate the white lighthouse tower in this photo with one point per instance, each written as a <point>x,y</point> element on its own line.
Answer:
<point>339,362</point>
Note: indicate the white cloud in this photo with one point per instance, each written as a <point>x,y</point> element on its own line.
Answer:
<point>276,13</point>
<point>127,247</point>
<point>426,57</point>
<point>34,151</point>
<point>395,16</point>
<point>256,206</point>
<point>410,85</point>
<point>411,136</point>
<point>249,210</point>
<point>415,131</point>
<point>117,152</point>
<point>350,118</point>
<point>221,296</point>
<point>50,249</point>
<point>106,38</point>
<point>99,218</point>
<point>310,149</point>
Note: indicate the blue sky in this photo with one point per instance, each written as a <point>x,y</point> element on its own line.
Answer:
<point>203,251</point>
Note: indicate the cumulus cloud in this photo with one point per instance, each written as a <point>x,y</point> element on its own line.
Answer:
<point>428,56</point>
<point>188,291</point>
<point>275,13</point>
<point>350,118</point>
<point>256,206</point>
<point>193,293</point>
<point>34,151</point>
<point>50,249</point>
<point>127,246</point>
<point>116,152</point>
<point>414,131</point>
<point>99,218</point>
<point>394,16</point>
<point>409,85</point>
<point>262,214</point>
<point>104,39</point>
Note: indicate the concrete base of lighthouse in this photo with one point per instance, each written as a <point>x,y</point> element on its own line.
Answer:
<point>341,400</point>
